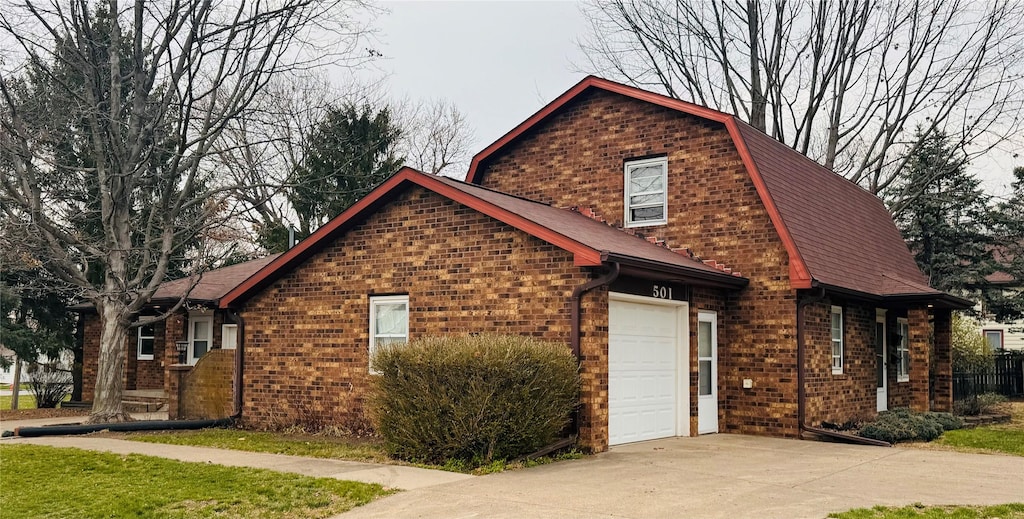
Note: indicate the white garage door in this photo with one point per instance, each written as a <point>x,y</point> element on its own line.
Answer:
<point>643,359</point>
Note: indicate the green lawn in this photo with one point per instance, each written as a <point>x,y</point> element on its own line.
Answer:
<point>985,438</point>
<point>315,447</point>
<point>26,400</point>
<point>1009,511</point>
<point>58,483</point>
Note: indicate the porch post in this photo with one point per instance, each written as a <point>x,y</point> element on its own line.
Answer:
<point>943,360</point>
<point>920,348</point>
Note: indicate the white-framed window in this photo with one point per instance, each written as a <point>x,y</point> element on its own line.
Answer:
<point>903,351</point>
<point>995,339</point>
<point>837,340</point>
<point>146,335</point>
<point>389,321</point>
<point>646,200</point>
<point>200,335</point>
<point>229,336</point>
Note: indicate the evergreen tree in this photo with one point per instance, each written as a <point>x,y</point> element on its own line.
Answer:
<point>350,151</point>
<point>1006,304</point>
<point>947,228</point>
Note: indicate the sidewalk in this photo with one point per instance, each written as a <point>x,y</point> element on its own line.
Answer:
<point>391,476</point>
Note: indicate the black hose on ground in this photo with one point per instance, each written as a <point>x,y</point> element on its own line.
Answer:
<point>142,425</point>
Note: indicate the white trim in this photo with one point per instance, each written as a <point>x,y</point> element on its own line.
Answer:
<point>998,333</point>
<point>903,348</point>
<point>682,355</point>
<point>195,317</point>
<point>708,316</point>
<point>837,310</point>
<point>138,342</point>
<point>882,393</point>
<point>626,169</point>
<point>380,300</point>
<point>224,334</point>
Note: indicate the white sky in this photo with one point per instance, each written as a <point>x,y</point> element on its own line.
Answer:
<point>502,61</point>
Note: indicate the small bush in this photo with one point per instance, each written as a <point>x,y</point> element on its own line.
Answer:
<point>49,383</point>
<point>971,352</point>
<point>474,399</point>
<point>985,403</point>
<point>901,425</point>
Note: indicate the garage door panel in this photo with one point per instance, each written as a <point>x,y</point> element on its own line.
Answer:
<point>642,365</point>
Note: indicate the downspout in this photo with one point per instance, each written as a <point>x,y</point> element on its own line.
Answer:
<point>801,377</point>
<point>237,319</point>
<point>577,296</point>
<point>574,334</point>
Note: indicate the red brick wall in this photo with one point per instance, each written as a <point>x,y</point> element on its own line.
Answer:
<point>576,158</point>
<point>306,335</point>
<point>206,390</point>
<point>852,395</point>
<point>90,354</point>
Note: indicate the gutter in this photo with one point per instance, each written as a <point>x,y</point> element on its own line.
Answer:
<point>801,376</point>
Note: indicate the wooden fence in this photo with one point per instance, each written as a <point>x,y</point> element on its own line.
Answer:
<point>1006,378</point>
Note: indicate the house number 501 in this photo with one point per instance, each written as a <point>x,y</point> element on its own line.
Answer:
<point>662,292</point>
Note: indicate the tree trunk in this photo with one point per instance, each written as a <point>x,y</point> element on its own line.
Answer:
<point>107,406</point>
<point>16,384</point>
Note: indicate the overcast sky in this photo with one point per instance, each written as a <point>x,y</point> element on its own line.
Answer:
<point>502,61</point>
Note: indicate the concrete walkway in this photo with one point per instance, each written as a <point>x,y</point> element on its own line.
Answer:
<point>391,476</point>
<point>719,476</point>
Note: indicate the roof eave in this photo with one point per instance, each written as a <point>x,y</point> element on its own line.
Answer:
<point>933,299</point>
<point>668,271</point>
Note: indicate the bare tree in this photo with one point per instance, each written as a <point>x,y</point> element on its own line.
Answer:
<point>435,136</point>
<point>845,83</point>
<point>108,125</point>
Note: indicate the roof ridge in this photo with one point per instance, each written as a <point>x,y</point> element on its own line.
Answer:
<point>661,242</point>
<point>484,188</point>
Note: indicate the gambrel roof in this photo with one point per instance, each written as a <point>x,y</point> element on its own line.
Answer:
<point>837,235</point>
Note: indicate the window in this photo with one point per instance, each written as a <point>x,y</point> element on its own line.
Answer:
<point>146,341</point>
<point>229,336</point>
<point>903,352</point>
<point>389,321</point>
<point>646,201</point>
<point>995,339</point>
<point>200,335</point>
<point>837,340</point>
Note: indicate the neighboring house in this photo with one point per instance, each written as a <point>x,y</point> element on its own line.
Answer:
<point>7,373</point>
<point>151,348</point>
<point>1002,336</point>
<point>710,279</point>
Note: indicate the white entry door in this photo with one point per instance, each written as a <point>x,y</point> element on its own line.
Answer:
<point>200,336</point>
<point>646,393</point>
<point>881,363</point>
<point>707,373</point>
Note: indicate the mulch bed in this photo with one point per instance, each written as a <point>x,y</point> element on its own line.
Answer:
<point>33,414</point>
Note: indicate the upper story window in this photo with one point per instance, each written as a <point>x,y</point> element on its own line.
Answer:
<point>837,340</point>
<point>389,321</point>
<point>146,341</point>
<point>646,199</point>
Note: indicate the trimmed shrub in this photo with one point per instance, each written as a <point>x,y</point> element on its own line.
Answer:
<point>476,399</point>
<point>900,425</point>
<point>985,403</point>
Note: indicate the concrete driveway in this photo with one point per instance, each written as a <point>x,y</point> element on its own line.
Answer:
<point>719,476</point>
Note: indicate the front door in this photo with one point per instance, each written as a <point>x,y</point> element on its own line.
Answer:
<point>707,373</point>
<point>200,336</point>
<point>881,363</point>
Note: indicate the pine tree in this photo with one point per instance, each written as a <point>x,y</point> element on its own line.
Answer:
<point>947,229</point>
<point>1006,303</point>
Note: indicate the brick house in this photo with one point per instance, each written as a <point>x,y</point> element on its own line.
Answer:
<point>151,348</point>
<point>709,278</point>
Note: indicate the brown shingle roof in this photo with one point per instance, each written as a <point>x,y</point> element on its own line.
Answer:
<point>214,283</point>
<point>835,233</point>
<point>591,242</point>
<point>845,234</point>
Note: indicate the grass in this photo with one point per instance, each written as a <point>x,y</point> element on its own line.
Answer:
<point>322,447</point>
<point>58,483</point>
<point>1008,511</point>
<point>25,401</point>
<point>295,445</point>
<point>1002,438</point>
